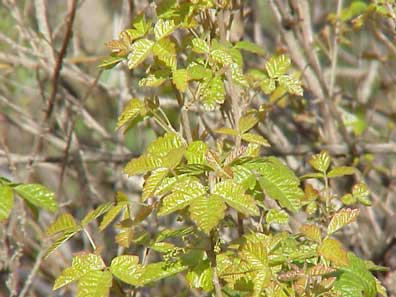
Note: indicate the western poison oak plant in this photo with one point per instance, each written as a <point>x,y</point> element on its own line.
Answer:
<point>234,207</point>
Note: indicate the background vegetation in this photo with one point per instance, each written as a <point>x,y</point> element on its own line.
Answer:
<point>59,112</point>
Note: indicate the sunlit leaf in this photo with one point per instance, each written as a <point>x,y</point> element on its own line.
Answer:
<point>152,182</point>
<point>332,250</point>
<point>361,193</point>
<point>195,152</point>
<point>255,138</point>
<point>291,84</point>
<point>277,216</point>
<point>183,194</point>
<point>341,171</point>
<point>180,79</point>
<point>212,92</point>
<point>321,161</point>
<point>163,28</point>
<point>312,232</point>
<point>127,269</point>
<point>165,51</point>
<point>207,211</point>
<point>95,284</point>
<point>341,219</point>
<point>6,201</point>
<point>277,66</point>
<point>139,51</point>
<point>38,195</point>
<point>201,276</point>
<point>111,215</point>
<point>133,109</point>
<point>96,213</point>
<point>200,46</point>
<point>234,195</point>
<point>64,222</point>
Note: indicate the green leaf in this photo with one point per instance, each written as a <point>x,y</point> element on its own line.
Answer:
<point>321,161</point>
<point>341,219</point>
<point>152,81</point>
<point>127,269</point>
<point>312,232</point>
<point>95,284</point>
<point>111,215</point>
<point>291,84</point>
<point>234,195</point>
<point>348,199</point>
<point>201,276</point>
<point>62,238</point>
<point>139,51</point>
<point>268,85</point>
<point>279,183</point>
<point>140,27</point>
<point>97,212</point>
<point>221,56</point>
<point>200,46</point>
<point>132,110</point>
<point>152,183</point>
<point>277,216</point>
<point>237,75</point>
<point>250,47</point>
<point>206,212</point>
<point>163,28</point>
<point>198,72</point>
<point>180,79</point>
<point>361,192</point>
<point>169,233</point>
<point>157,271</point>
<point>183,194</point>
<point>196,152</point>
<point>312,175</point>
<point>247,122</point>
<point>165,51</point>
<point>341,171</point>
<point>6,201</point>
<point>355,280</point>
<point>165,152</point>
<point>110,62</point>
<point>226,131</point>
<point>255,138</point>
<point>211,92</point>
<point>81,266</point>
<point>244,177</point>
<point>332,250</point>
<point>277,66</point>
<point>64,222</point>
<point>38,195</point>
<point>255,254</point>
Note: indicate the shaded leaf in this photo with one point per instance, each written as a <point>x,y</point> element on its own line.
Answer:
<point>247,122</point>
<point>332,250</point>
<point>250,47</point>
<point>165,51</point>
<point>96,213</point>
<point>312,232</point>
<point>62,238</point>
<point>361,192</point>
<point>201,276</point>
<point>255,138</point>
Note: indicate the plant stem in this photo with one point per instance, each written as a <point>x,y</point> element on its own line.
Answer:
<point>90,239</point>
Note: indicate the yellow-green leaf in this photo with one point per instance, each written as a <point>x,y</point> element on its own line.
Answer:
<point>361,192</point>
<point>183,194</point>
<point>152,182</point>
<point>341,171</point>
<point>139,51</point>
<point>211,92</point>
<point>95,284</point>
<point>127,269</point>
<point>165,51</point>
<point>207,211</point>
<point>38,195</point>
<point>196,152</point>
<point>6,201</point>
<point>250,47</point>
<point>180,79</point>
<point>234,195</point>
<point>132,110</point>
<point>64,222</point>
<point>291,84</point>
<point>277,216</point>
<point>111,215</point>
<point>312,232</point>
<point>332,250</point>
<point>163,28</point>
<point>321,161</point>
<point>277,66</point>
<point>200,46</point>
<point>341,219</point>
<point>97,212</point>
<point>247,122</point>
<point>226,131</point>
<point>255,138</point>
<point>62,238</point>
